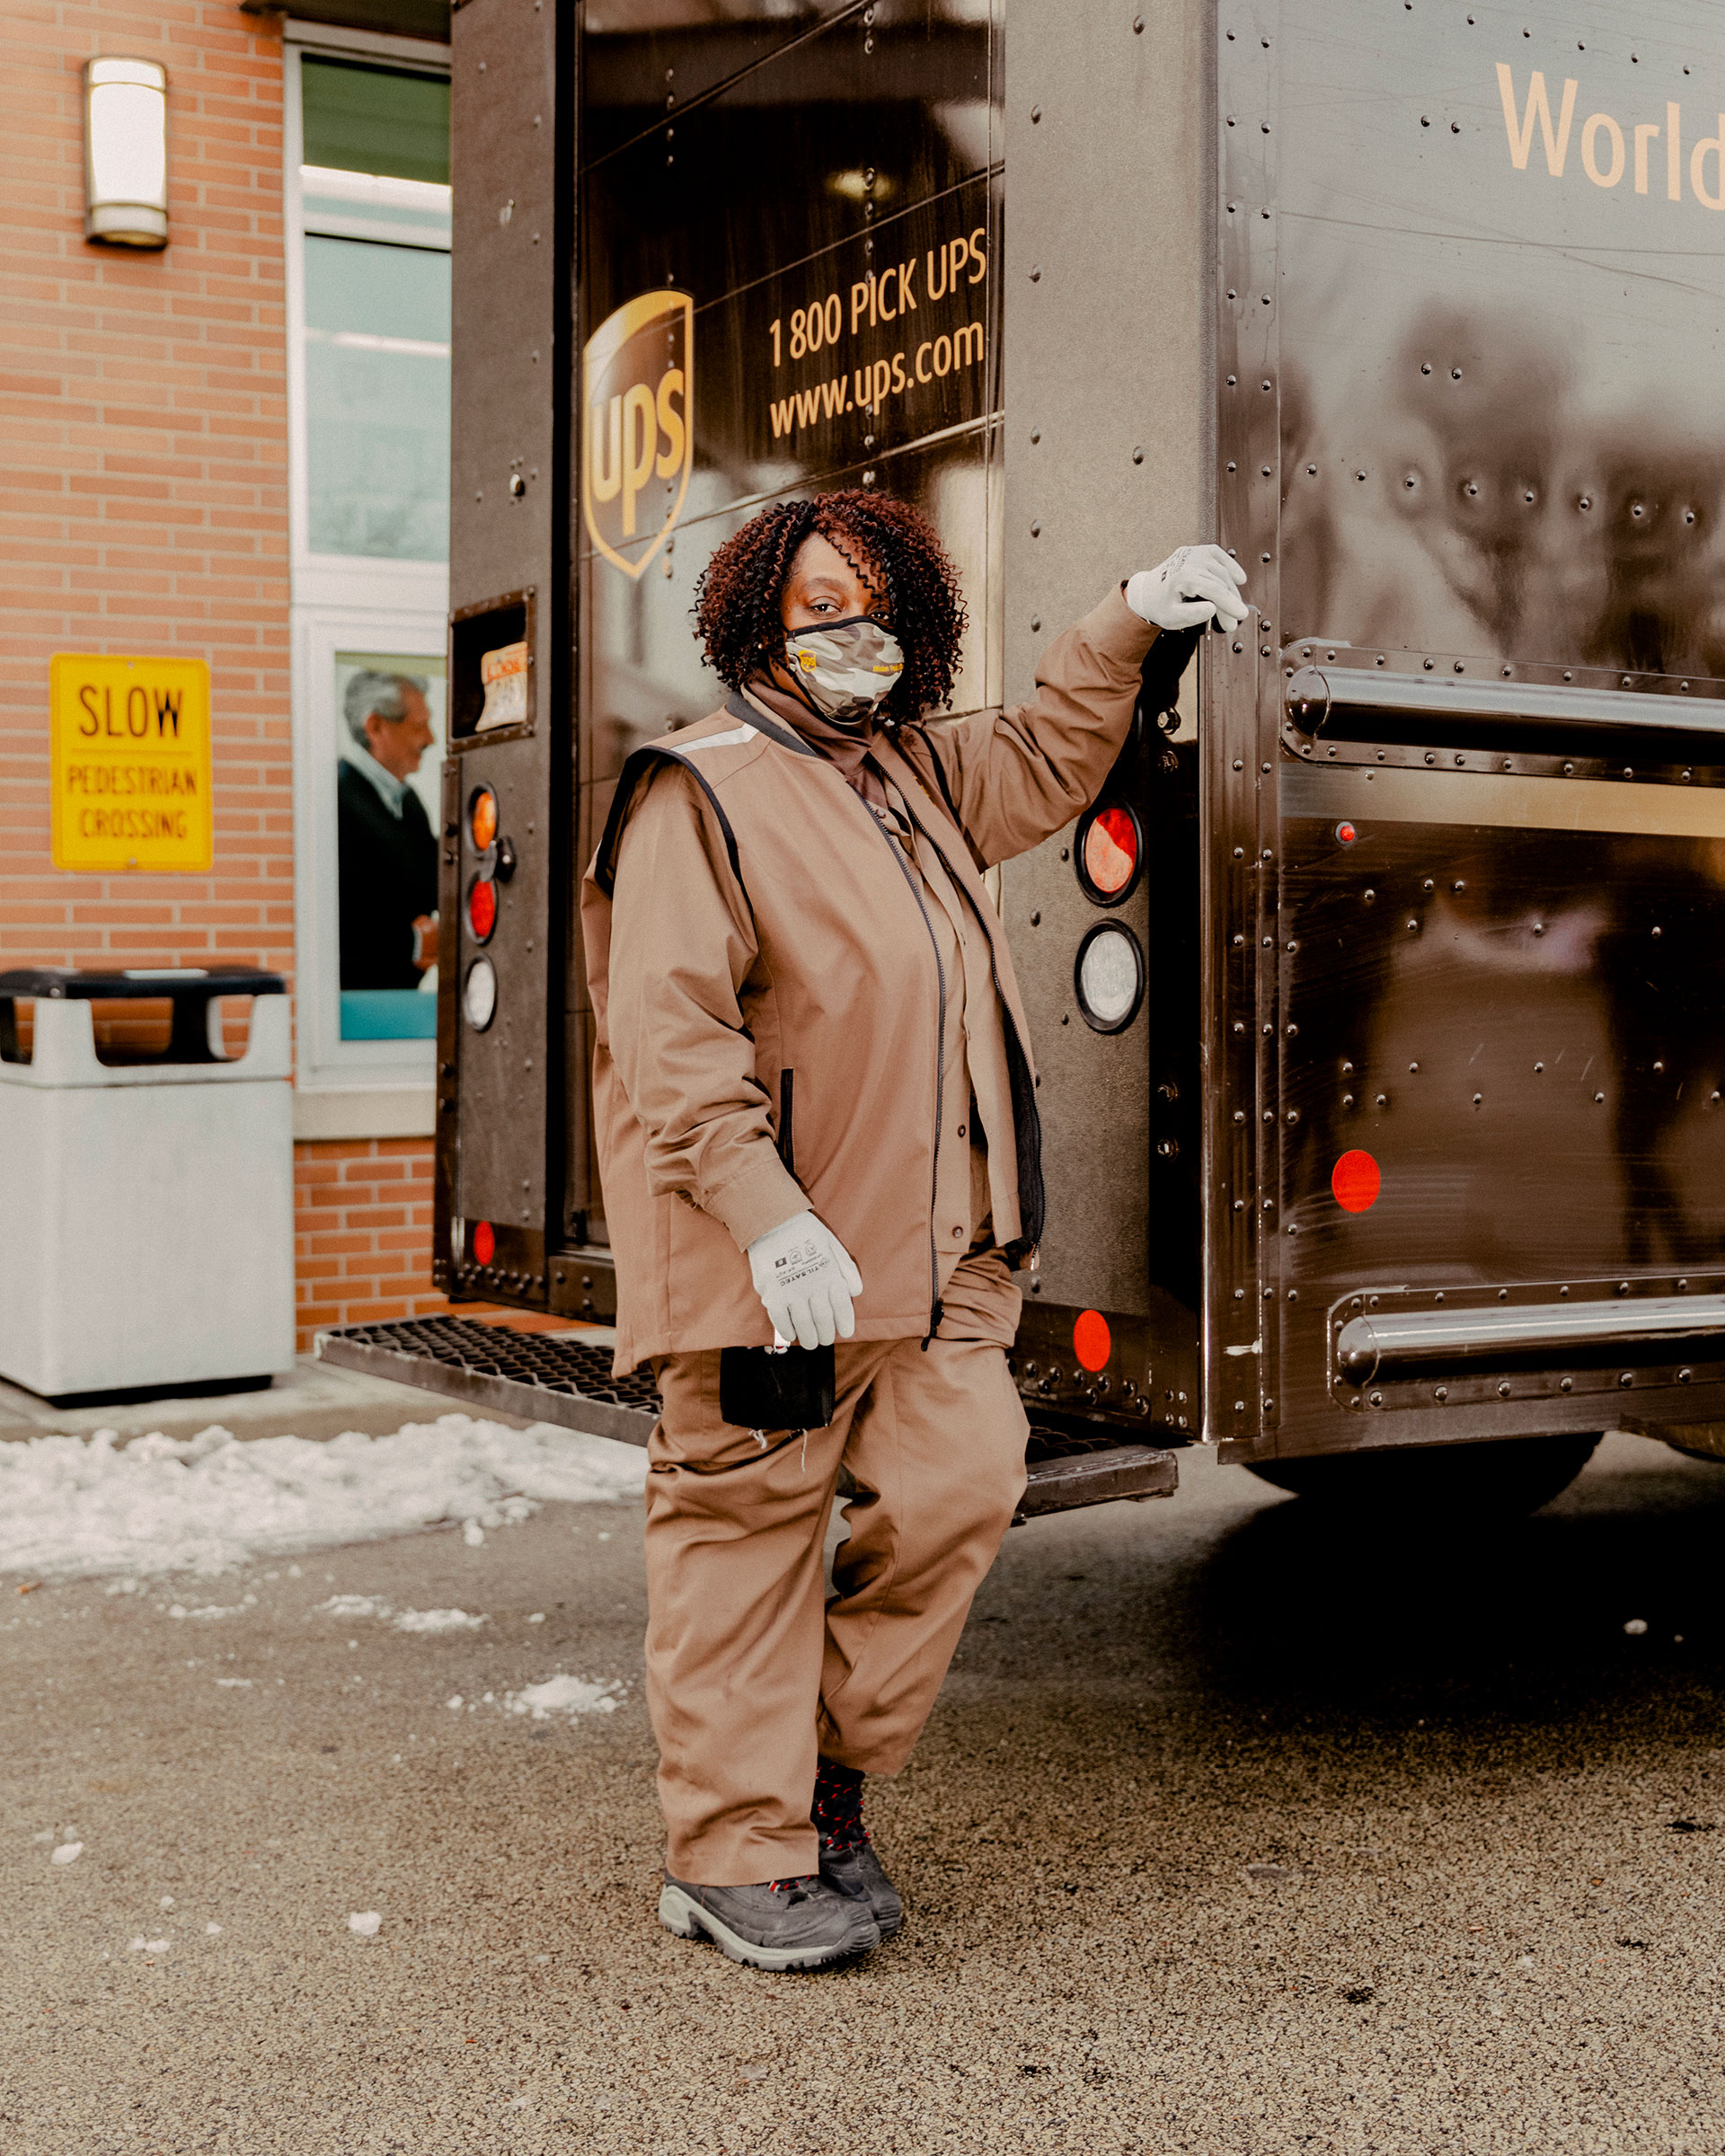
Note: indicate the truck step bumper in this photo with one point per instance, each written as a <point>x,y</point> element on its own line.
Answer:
<point>564,1377</point>
<point>1062,1481</point>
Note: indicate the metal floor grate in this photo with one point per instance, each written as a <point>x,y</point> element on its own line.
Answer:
<point>563,1378</point>
<point>1062,1445</point>
<point>556,1362</point>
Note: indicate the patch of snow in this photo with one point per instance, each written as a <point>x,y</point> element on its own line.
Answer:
<point>565,1695</point>
<point>68,1852</point>
<point>356,1605</point>
<point>538,1617</point>
<point>166,1901</point>
<point>80,1507</point>
<point>403,1620</point>
<point>212,1930</point>
<point>454,1702</point>
<point>437,1621</point>
<point>141,1945</point>
<point>236,1683</point>
<point>366,1922</point>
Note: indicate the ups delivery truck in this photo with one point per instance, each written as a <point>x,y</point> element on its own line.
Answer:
<point>1379,1001</point>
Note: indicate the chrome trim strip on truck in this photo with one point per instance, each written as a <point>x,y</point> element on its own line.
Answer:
<point>1390,1343</point>
<point>1572,705</point>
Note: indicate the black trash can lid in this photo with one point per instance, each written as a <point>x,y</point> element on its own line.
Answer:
<point>95,984</point>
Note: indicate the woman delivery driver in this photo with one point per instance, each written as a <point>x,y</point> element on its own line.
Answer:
<point>816,1118</point>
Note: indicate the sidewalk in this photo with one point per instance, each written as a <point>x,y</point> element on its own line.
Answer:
<point>315,1400</point>
<point>1229,1835</point>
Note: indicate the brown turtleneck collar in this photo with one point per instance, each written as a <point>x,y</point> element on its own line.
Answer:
<point>846,749</point>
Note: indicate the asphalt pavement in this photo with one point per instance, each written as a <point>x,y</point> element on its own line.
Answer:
<point>1230,1832</point>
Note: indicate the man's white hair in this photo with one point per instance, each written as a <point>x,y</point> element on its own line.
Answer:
<point>385,694</point>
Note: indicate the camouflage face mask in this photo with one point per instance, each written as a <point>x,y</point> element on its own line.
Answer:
<point>845,669</point>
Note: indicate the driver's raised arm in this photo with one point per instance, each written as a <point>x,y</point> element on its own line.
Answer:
<point>1017,776</point>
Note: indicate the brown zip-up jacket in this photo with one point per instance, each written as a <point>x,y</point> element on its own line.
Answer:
<point>767,997</point>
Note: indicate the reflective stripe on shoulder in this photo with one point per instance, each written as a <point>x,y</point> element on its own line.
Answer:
<point>635,767</point>
<point>733,739</point>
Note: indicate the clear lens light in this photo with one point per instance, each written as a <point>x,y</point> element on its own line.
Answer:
<point>479,994</point>
<point>1108,976</point>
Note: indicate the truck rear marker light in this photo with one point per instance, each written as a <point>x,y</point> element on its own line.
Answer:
<point>1109,977</point>
<point>1091,1341</point>
<point>1356,1180</point>
<point>479,994</point>
<point>482,819</point>
<point>481,908</point>
<point>1346,834</point>
<point>484,1242</point>
<point>1107,856</point>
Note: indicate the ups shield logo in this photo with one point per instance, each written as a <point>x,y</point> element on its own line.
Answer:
<point>640,447</point>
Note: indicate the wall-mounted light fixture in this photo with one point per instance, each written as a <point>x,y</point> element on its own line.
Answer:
<point>126,153</point>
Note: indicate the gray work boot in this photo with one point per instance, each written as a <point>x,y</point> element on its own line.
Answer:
<point>856,1873</point>
<point>847,1859</point>
<point>783,1924</point>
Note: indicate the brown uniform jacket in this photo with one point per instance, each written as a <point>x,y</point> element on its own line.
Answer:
<point>767,998</point>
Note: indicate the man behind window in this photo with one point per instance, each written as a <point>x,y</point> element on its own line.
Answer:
<point>388,853</point>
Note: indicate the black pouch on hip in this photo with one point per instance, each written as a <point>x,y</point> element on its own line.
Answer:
<point>776,1388</point>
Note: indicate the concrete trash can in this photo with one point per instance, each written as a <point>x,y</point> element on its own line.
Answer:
<point>146,1202</point>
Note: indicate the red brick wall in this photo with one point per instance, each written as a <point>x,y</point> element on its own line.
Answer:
<point>362,1231</point>
<point>144,508</point>
<point>144,503</point>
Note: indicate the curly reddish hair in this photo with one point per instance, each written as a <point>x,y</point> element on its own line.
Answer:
<point>891,546</point>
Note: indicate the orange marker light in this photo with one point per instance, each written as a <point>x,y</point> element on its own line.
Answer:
<point>1092,1342</point>
<point>1347,834</point>
<point>1111,851</point>
<point>1356,1181</point>
<point>484,1242</point>
<point>482,819</point>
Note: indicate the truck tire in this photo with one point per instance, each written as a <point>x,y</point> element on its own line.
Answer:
<point>1500,1480</point>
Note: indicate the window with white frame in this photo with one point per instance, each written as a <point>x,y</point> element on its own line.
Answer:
<point>368,330</point>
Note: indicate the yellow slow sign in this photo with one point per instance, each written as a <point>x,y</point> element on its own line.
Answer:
<point>130,763</point>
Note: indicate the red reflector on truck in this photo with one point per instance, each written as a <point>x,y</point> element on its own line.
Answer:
<point>482,910</point>
<point>1090,1340</point>
<point>1356,1181</point>
<point>484,1242</point>
<point>1109,851</point>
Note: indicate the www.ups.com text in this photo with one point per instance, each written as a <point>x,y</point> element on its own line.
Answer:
<point>867,388</point>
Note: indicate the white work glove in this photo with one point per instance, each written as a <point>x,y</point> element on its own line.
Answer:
<point>1194,584</point>
<point>804,1276</point>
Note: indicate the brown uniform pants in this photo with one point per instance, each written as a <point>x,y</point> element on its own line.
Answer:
<point>750,1672</point>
